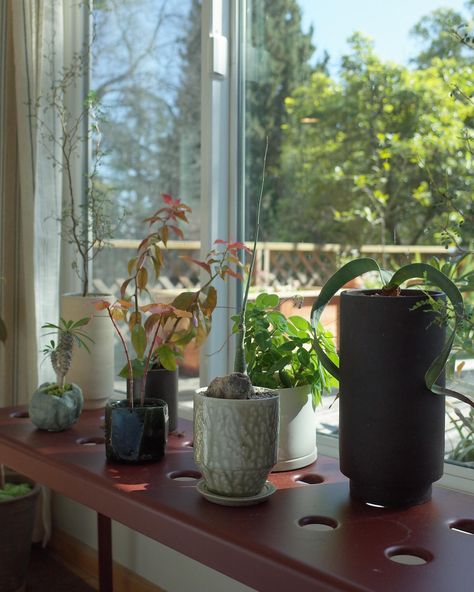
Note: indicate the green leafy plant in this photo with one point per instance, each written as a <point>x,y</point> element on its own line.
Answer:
<point>9,491</point>
<point>279,351</point>
<point>160,332</point>
<point>425,274</point>
<point>464,427</point>
<point>60,353</point>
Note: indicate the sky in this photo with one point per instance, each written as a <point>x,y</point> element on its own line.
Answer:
<point>388,22</point>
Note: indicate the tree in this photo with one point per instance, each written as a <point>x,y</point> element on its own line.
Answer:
<point>364,158</point>
<point>277,62</point>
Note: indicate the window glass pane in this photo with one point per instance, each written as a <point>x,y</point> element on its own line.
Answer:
<point>369,122</point>
<point>146,75</point>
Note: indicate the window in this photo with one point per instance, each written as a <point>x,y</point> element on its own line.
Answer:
<point>368,148</point>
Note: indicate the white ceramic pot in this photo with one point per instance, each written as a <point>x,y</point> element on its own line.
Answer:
<point>235,442</point>
<point>93,372</point>
<point>297,443</point>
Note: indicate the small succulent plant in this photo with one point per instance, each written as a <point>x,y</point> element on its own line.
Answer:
<point>60,353</point>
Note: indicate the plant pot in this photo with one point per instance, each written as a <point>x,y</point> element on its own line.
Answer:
<point>17,518</point>
<point>94,371</point>
<point>138,434</point>
<point>235,442</point>
<point>55,413</point>
<point>297,441</point>
<point>391,427</point>
<point>163,384</point>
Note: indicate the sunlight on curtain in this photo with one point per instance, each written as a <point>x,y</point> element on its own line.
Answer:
<point>38,49</point>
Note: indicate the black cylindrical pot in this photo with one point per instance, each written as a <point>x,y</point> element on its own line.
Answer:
<point>138,434</point>
<point>163,384</point>
<point>391,427</point>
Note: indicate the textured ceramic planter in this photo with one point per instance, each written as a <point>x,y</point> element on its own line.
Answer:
<point>17,518</point>
<point>391,427</point>
<point>235,442</point>
<point>55,413</point>
<point>138,434</point>
<point>163,384</point>
<point>297,441</point>
<point>95,372</point>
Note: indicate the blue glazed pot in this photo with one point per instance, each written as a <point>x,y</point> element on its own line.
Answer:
<point>53,412</point>
<point>138,434</point>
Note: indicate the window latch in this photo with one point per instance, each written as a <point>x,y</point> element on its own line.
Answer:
<point>219,55</point>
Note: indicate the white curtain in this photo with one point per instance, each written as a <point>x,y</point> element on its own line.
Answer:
<point>32,35</point>
<point>37,27</point>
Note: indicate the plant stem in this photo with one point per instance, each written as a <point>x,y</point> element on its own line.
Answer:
<point>239,361</point>
<point>129,362</point>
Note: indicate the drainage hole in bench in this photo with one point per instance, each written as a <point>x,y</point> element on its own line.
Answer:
<point>90,441</point>
<point>408,555</point>
<point>185,475</point>
<point>310,478</point>
<point>320,523</point>
<point>464,526</point>
<point>19,414</point>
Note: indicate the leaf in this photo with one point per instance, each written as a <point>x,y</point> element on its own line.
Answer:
<point>139,340</point>
<point>345,274</point>
<point>124,286</point>
<point>101,305</point>
<point>184,301</point>
<point>142,278</point>
<point>210,302</point>
<point>300,323</point>
<point>202,264</point>
<point>151,322</point>
<point>267,301</point>
<point>80,323</point>
<point>166,357</point>
<point>164,235</point>
<point>131,265</point>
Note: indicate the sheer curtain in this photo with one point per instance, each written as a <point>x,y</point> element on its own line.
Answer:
<point>30,206</point>
<point>31,190</point>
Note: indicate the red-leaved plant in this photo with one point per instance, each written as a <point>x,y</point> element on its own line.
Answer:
<point>159,332</point>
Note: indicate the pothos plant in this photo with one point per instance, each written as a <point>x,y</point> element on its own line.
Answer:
<point>279,351</point>
<point>424,274</point>
<point>159,332</point>
<point>60,352</point>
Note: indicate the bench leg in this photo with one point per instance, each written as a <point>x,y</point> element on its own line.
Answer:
<point>104,538</point>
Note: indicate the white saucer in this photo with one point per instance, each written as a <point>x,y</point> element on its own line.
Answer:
<point>224,500</point>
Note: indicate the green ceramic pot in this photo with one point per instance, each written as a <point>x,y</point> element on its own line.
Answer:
<point>53,412</point>
<point>138,434</point>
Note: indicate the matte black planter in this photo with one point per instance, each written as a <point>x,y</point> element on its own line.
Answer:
<point>138,434</point>
<point>391,426</point>
<point>163,384</point>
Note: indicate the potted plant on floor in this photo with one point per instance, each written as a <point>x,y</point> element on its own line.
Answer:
<point>56,406</point>
<point>279,355</point>
<point>391,375</point>
<point>18,499</point>
<point>236,425</point>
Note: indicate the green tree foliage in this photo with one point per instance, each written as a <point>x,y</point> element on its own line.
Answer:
<point>277,62</point>
<point>367,157</point>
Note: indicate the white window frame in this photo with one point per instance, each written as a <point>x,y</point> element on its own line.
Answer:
<point>222,156</point>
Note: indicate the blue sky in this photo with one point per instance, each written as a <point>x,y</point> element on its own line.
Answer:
<point>387,21</point>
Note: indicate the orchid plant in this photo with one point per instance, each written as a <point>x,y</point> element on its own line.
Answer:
<point>159,332</point>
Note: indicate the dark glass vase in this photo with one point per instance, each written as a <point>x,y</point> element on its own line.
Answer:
<point>391,426</point>
<point>163,384</point>
<point>138,434</point>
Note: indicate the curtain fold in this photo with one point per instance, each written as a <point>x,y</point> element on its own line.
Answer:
<point>30,202</point>
<point>31,191</point>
